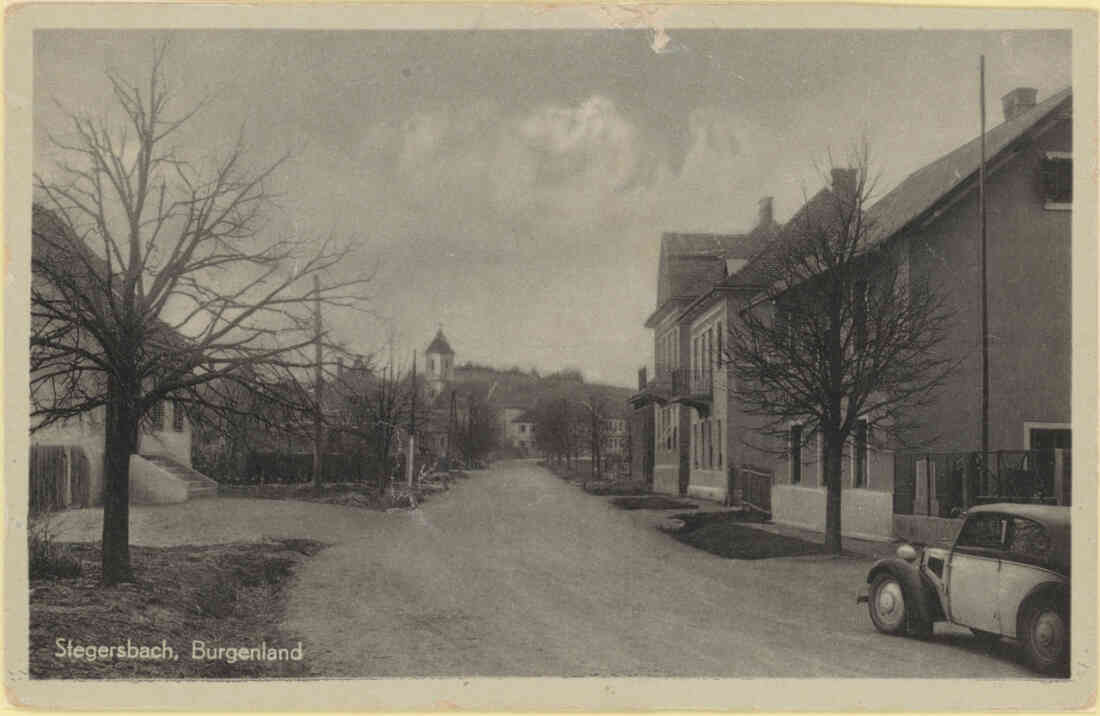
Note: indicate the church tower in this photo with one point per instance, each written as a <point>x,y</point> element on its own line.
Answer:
<point>439,364</point>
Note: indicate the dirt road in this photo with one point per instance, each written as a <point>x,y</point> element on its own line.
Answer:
<point>517,573</point>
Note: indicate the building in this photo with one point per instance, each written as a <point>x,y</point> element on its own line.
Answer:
<point>688,266</point>
<point>715,450</point>
<point>160,471</point>
<point>521,432</point>
<point>929,225</point>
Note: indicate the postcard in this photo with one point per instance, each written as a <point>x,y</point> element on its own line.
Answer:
<point>537,357</point>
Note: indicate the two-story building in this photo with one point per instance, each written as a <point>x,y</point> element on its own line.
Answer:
<point>689,265</point>
<point>929,224</point>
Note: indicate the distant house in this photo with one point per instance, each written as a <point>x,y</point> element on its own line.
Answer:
<point>521,432</point>
<point>161,469</point>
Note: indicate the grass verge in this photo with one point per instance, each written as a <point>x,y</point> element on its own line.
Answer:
<point>230,595</point>
<point>722,534</point>
<point>652,502</point>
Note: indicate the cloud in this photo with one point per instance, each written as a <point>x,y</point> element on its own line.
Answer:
<point>561,204</point>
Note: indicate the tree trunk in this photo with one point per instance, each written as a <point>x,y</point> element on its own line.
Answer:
<point>833,454</point>
<point>120,443</point>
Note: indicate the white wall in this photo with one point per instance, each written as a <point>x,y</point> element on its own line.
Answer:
<point>865,514</point>
<point>169,442</point>
<point>152,485</point>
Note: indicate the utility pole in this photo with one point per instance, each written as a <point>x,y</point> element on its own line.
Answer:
<point>452,428</point>
<point>985,297</point>
<point>318,384</point>
<point>412,426</point>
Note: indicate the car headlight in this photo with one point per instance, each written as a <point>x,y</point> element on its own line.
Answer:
<point>907,552</point>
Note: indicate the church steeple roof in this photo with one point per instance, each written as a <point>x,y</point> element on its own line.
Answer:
<point>439,345</point>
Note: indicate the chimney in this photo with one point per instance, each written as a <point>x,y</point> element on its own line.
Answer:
<point>642,382</point>
<point>765,217</point>
<point>845,181</point>
<point>1018,101</point>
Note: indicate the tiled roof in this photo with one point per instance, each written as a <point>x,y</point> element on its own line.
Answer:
<point>921,189</point>
<point>727,245</point>
<point>910,199</point>
<point>691,263</point>
<point>761,269</point>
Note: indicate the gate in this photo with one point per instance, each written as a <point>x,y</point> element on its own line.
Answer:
<point>754,485</point>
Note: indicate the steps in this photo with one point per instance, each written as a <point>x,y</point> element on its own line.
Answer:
<point>198,485</point>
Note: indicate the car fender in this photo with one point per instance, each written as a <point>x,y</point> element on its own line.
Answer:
<point>921,595</point>
<point>1055,591</point>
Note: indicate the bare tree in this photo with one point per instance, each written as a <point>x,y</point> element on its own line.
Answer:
<point>841,340</point>
<point>153,276</point>
<point>479,430</point>
<point>556,427</point>
<point>597,410</point>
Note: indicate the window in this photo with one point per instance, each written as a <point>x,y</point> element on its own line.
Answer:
<point>177,417</point>
<point>718,342</point>
<point>1056,172</point>
<point>523,428</point>
<point>695,444</point>
<point>710,446</point>
<point>983,531</point>
<point>719,446</point>
<point>1028,541</point>
<point>156,415</point>
<point>796,454</point>
<point>859,479</point>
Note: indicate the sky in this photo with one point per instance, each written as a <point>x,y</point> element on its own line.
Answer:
<point>512,186</point>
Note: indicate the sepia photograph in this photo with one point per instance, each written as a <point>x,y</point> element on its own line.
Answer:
<point>468,347</point>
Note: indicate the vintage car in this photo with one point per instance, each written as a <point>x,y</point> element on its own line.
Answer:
<point>1006,575</point>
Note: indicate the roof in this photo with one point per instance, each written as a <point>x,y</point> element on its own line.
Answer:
<point>692,262</point>
<point>760,238</point>
<point>924,187</point>
<point>58,253</point>
<point>527,416</point>
<point>761,270</point>
<point>440,345</point>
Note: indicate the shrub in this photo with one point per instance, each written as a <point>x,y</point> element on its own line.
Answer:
<point>47,559</point>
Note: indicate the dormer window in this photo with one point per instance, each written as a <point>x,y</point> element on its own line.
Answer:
<point>1057,180</point>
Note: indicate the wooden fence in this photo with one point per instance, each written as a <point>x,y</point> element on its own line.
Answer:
<point>59,478</point>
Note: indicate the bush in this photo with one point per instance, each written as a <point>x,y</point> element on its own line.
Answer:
<point>48,559</point>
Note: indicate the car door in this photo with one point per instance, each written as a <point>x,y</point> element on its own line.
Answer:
<point>1024,567</point>
<point>973,578</point>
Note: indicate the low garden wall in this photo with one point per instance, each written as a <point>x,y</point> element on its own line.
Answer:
<point>864,514</point>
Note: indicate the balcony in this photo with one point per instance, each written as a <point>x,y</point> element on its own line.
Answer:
<point>695,388</point>
<point>679,385</point>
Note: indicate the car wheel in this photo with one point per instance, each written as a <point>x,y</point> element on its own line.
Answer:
<point>886,604</point>
<point>1046,636</point>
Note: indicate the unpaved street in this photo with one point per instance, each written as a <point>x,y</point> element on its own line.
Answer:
<point>514,572</point>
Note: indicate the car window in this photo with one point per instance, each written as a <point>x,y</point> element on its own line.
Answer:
<point>1028,539</point>
<point>982,530</point>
